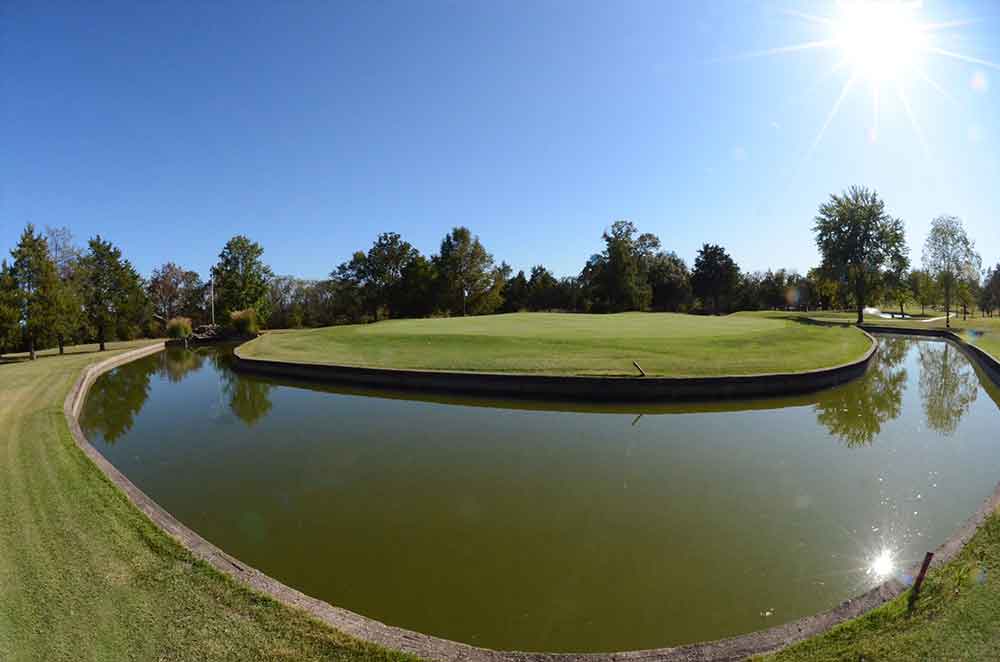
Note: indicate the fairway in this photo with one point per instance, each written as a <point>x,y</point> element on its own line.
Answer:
<point>664,344</point>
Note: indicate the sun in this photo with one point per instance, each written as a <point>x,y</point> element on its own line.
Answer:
<point>880,41</point>
<point>883,44</point>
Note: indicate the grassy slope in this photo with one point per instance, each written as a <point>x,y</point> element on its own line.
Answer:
<point>84,575</point>
<point>664,344</point>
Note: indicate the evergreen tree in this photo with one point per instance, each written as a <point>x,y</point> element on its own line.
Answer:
<point>10,314</point>
<point>110,289</point>
<point>37,284</point>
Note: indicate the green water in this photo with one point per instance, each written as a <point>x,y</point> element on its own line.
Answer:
<point>558,527</point>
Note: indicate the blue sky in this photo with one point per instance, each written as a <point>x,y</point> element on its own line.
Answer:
<point>311,127</point>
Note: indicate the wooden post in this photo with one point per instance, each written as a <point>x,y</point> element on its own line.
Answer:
<point>639,367</point>
<point>915,592</point>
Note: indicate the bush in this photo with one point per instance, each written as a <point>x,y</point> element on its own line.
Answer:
<point>179,328</point>
<point>245,322</point>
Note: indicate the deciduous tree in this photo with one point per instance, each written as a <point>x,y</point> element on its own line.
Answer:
<point>468,279</point>
<point>175,291</point>
<point>858,241</point>
<point>241,278</point>
<point>715,275</point>
<point>950,256</point>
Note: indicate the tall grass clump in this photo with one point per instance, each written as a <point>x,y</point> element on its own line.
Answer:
<point>179,328</point>
<point>244,322</point>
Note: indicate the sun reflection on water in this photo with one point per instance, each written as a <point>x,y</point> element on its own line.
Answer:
<point>882,565</point>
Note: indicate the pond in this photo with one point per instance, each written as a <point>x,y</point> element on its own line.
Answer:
<point>556,527</point>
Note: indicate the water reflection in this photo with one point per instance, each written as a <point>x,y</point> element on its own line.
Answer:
<point>176,363</point>
<point>857,411</point>
<point>854,412</point>
<point>111,409</point>
<point>248,399</point>
<point>948,385</point>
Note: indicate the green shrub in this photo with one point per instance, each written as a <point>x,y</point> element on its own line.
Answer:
<point>245,322</point>
<point>179,328</point>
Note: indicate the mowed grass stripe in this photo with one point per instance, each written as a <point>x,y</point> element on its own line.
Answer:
<point>569,344</point>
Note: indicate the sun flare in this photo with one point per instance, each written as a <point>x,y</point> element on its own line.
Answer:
<point>885,47</point>
<point>879,40</point>
<point>882,564</point>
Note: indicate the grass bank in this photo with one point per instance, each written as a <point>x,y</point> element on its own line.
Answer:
<point>664,344</point>
<point>85,576</point>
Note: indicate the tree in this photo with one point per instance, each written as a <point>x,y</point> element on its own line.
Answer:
<point>715,275</point>
<point>543,289</point>
<point>967,293</point>
<point>68,318</point>
<point>466,272</point>
<point>623,281</point>
<point>858,241</point>
<point>379,271</point>
<point>414,294</point>
<point>515,293</point>
<point>384,266</point>
<point>37,286</point>
<point>111,290</point>
<point>670,282</point>
<point>824,289</point>
<point>950,256</point>
<point>174,291</point>
<point>241,278</point>
<point>989,296</point>
<point>10,314</point>
<point>897,279</point>
<point>63,250</point>
<point>923,289</point>
<point>66,256</point>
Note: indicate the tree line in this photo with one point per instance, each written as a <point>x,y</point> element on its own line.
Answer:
<point>53,292</point>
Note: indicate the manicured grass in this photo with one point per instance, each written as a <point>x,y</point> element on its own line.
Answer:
<point>569,344</point>
<point>85,576</point>
<point>983,332</point>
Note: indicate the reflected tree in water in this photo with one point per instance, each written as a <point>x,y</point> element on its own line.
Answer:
<point>248,397</point>
<point>176,363</point>
<point>857,411</point>
<point>948,386</point>
<point>111,409</point>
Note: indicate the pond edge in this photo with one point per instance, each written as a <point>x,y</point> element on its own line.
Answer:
<point>436,648</point>
<point>568,387</point>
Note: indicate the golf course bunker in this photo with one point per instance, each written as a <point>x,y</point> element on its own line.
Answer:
<point>561,527</point>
